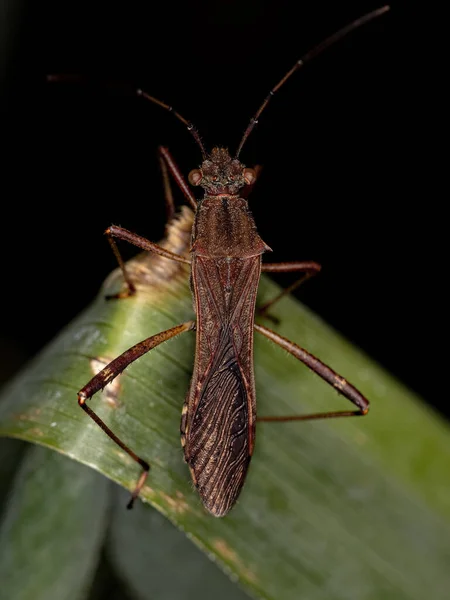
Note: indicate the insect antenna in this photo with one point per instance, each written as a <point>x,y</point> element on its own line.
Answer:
<point>304,59</point>
<point>190,126</point>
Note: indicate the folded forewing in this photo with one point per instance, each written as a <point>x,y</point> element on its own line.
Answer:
<point>220,428</point>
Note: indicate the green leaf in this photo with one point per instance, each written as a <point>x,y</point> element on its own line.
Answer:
<point>340,509</point>
<point>11,453</point>
<point>51,534</point>
<point>157,561</point>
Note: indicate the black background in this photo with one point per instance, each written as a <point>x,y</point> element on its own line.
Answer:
<point>341,147</point>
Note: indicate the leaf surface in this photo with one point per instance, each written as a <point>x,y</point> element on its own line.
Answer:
<point>351,509</point>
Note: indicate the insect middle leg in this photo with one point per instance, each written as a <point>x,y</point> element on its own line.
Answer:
<point>344,387</point>
<point>110,372</point>
<point>309,269</point>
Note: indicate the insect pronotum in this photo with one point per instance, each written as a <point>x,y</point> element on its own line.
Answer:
<point>219,414</point>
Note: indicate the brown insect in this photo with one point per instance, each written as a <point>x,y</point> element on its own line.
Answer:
<point>219,414</point>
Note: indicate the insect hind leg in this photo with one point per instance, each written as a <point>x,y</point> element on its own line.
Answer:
<point>325,372</point>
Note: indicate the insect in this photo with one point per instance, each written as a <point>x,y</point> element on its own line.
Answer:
<point>219,414</point>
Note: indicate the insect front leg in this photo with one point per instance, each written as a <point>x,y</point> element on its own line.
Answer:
<point>168,196</point>
<point>309,269</point>
<point>167,165</point>
<point>344,387</point>
<point>123,234</point>
<point>110,372</point>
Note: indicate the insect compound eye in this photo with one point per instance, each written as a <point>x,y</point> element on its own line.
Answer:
<point>249,176</point>
<point>195,176</point>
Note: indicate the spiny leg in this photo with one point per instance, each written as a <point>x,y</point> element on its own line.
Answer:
<point>330,376</point>
<point>110,372</point>
<point>119,232</point>
<point>168,196</point>
<point>177,175</point>
<point>167,165</point>
<point>309,269</point>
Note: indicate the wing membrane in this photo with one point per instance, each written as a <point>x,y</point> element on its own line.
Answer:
<point>219,436</point>
<point>220,424</point>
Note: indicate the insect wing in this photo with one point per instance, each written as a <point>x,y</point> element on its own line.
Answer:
<point>219,451</point>
<point>220,424</point>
